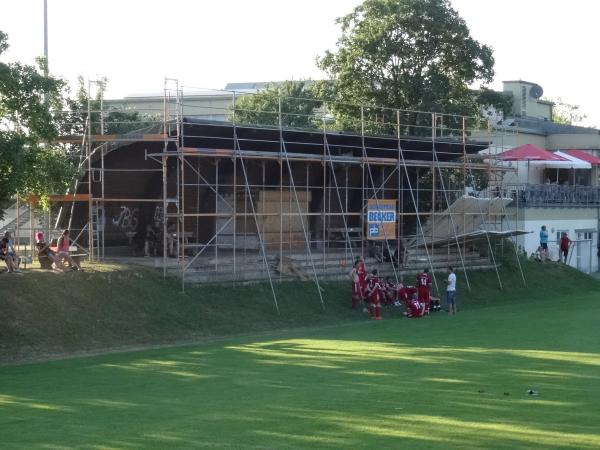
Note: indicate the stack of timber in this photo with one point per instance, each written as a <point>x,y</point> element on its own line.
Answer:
<point>281,215</point>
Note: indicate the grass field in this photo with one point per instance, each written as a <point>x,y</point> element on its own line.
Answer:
<point>441,382</point>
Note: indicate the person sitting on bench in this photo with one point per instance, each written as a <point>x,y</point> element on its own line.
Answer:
<point>5,256</point>
<point>47,258</point>
<point>64,253</point>
<point>12,252</point>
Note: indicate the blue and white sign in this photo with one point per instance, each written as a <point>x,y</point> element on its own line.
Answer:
<point>381,219</point>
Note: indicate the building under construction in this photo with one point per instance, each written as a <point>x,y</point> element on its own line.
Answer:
<point>240,202</point>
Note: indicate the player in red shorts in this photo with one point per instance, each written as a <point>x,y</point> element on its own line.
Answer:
<point>408,296</point>
<point>361,271</point>
<point>374,294</point>
<point>389,291</point>
<point>356,290</point>
<point>424,288</point>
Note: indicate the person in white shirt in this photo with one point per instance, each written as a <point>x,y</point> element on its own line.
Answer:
<point>451,291</point>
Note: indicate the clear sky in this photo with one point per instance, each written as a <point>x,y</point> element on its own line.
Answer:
<point>207,43</point>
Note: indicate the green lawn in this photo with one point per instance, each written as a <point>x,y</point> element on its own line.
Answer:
<point>441,382</point>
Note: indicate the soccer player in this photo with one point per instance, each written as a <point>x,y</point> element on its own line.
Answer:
<point>361,271</point>
<point>414,308</point>
<point>374,294</point>
<point>389,291</point>
<point>424,286</point>
<point>356,290</point>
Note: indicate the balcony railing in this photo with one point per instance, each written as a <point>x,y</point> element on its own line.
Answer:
<point>554,195</point>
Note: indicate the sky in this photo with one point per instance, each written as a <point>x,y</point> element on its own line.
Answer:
<point>208,43</point>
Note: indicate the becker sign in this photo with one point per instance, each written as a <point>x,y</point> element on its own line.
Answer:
<point>381,219</point>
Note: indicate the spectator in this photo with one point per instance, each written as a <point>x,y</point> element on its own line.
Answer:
<point>400,255</point>
<point>451,291</point>
<point>64,251</point>
<point>565,244</point>
<point>171,239</point>
<point>150,241</point>
<point>544,243</point>
<point>5,256</point>
<point>375,252</point>
<point>12,252</point>
<point>44,249</point>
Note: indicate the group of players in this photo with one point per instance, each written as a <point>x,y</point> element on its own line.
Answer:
<point>370,290</point>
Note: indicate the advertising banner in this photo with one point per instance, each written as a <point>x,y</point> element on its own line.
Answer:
<point>381,219</point>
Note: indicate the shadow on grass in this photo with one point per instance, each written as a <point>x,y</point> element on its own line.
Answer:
<point>347,391</point>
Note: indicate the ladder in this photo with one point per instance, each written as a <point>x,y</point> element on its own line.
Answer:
<point>97,232</point>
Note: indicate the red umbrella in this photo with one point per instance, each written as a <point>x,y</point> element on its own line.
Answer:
<point>529,152</point>
<point>580,154</point>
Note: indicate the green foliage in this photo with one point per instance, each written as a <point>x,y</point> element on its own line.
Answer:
<point>410,54</point>
<point>28,163</point>
<point>74,118</point>
<point>501,101</point>
<point>566,113</point>
<point>299,106</point>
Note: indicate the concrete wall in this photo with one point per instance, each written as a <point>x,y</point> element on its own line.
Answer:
<point>569,141</point>
<point>539,109</point>
<point>210,107</point>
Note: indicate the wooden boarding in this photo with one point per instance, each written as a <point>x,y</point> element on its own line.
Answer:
<point>69,198</point>
<point>289,266</point>
<point>78,139</point>
<point>207,151</point>
<point>286,196</point>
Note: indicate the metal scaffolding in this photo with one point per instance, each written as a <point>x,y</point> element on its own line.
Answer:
<point>241,201</point>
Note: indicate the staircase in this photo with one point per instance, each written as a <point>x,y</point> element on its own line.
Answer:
<point>12,217</point>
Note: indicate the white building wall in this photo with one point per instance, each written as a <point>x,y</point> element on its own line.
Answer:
<point>580,224</point>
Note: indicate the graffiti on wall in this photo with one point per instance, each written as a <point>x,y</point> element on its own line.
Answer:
<point>127,220</point>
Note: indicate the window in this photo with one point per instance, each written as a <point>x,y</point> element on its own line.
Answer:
<point>523,100</point>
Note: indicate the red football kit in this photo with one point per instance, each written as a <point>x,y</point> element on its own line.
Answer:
<point>362,278</point>
<point>414,308</point>
<point>356,291</point>
<point>423,284</point>
<point>374,293</point>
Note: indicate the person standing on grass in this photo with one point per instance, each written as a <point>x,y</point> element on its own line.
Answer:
<point>565,243</point>
<point>356,290</point>
<point>374,293</point>
<point>451,291</point>
<point>423,288</point>
<point>544,242</point>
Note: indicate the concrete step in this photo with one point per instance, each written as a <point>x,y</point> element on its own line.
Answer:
<point>256,276</point>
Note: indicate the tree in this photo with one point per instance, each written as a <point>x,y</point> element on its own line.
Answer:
<point>299,106</point>
<point>28,163</point>
<point>74,117</point>
<point>566,113</point>
<point>409,54</point>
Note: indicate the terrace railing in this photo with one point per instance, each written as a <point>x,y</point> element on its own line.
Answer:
<point>553,195</point>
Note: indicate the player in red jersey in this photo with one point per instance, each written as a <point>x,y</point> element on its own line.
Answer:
<point>356,290</point>
<point>361,271</point>
<point>408,296</point>
<point>389,291</point>
<point>424,288</point>
<point>374,294</point>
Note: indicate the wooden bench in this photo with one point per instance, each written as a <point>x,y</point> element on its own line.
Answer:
<point>46,263</point>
